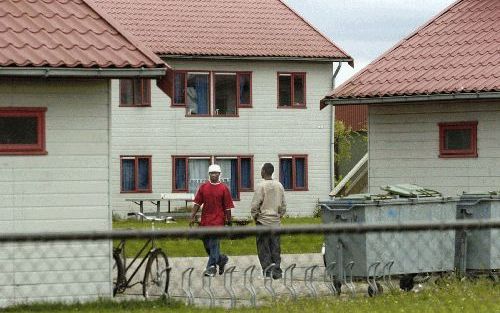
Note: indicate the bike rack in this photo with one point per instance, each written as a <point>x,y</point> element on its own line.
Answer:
<point>228,285</point>
<point>329,279</point>
<point>188,291</point>
<point>208,286</point>
<point>289,286</point>
<point>349,283</point>
<point>268,280</point>
<point>308,279</point>
<point>248,284</point>
<point>373,283</point>
<point>386,271</point>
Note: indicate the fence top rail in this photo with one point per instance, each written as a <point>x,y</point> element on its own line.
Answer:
<point>251,230</point>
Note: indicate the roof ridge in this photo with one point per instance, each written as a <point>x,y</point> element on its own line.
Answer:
<point>351,61</point>
<point>383,55</point>
<point>118,27</point>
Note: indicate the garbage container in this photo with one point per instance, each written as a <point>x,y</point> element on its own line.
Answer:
<point>478,250</point>
<point>412,252</point>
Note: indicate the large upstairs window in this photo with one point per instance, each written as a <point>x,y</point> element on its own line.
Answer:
<point>22,131</point>
<point>291,90</point>
<point>135,92</point>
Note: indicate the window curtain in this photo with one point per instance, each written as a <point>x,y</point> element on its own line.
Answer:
<point>198,173</point>
<point>143,180</point>
<point>180,174</point>
<point>128,177</point>
<point>286,173</point>
<point>246,173</point>
<point>229,168</point>
<point>197,93</point>
<point>300,173</point>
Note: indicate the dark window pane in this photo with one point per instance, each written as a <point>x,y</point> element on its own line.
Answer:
<point>128,174</point>
<point>146,92</point>
<point>285,87</point>
<point>298,87</point>
<point>126,91</point>
<point>180,174</point>
<point>286,173</point>
<point>245,89</point>
<point>246,173</point>
<point>143,180</point>
<point>22,130</point>
<point>225,94</point>
<point>179,88</point>
<point>137,91</point>
<point>197,94</point>
<point>300,172</point>
<point>457,139</point>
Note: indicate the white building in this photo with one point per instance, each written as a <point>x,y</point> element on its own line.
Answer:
<point>434,103</point>
<point>245,90</point>
<point>56,61</point>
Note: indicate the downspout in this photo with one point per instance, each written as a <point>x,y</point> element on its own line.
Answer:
<point>332,138</point>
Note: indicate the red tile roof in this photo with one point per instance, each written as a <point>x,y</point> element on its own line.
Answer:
<point>66,33</point>
<point>240,28</point>
<point>456,52</point>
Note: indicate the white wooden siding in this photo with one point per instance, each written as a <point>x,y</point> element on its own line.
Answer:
<point>262,131</point>
<point>404,147</point>
<point>65,190</point>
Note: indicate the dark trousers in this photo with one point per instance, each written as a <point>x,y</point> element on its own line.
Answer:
<point>212,247</point>
<point>269,250</point>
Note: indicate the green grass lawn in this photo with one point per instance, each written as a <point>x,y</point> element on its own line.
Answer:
<point>194,247</point>
<point>480,296</point>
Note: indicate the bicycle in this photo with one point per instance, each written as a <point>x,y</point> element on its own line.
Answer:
<point>157,274</point>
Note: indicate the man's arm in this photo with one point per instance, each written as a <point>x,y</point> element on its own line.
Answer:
<point>282,208</point>
<point>194,211</point>
<point>197,202</point>
<point>258,198</point>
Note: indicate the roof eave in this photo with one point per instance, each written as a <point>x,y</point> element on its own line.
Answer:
<point>82,72</point>
<point>409,99</point>
<point>256,58</point>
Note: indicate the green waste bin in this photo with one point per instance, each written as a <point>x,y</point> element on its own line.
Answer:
<point>412,252</point>
<point>478,250</point>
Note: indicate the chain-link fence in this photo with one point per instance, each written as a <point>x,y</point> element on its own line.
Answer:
<point>336,258</point>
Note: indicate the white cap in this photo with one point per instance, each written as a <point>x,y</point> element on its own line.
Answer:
<point>214,168</point>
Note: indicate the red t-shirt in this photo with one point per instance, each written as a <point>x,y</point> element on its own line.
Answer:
<point>215,199</point>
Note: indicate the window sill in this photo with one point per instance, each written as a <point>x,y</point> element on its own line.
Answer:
<point>454,156</point>
<point>137,191</point>
<point>292,107</point>
<point>6,152</point>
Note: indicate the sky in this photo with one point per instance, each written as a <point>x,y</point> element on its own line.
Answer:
<point>366,28</point>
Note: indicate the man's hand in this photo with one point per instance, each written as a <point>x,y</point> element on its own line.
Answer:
<point>193,221</point>
<point>228,223</point>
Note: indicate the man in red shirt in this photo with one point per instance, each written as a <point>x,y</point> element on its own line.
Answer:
<point>217,204</point>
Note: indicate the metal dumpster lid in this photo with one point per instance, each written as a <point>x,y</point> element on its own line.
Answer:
<point>410,191</point>
<point>480,194</point>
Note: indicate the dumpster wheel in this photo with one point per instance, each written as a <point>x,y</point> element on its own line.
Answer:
<point>406,282</point>
<point>372,292</point>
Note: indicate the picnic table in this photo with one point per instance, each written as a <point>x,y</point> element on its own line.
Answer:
<point>168,197</point>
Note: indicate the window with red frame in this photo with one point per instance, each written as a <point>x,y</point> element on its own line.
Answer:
<point>293,172</point>
<point>135,92</point>
<point>135,173</point>
<point>22,131</point>
<point>232,90</point>
<point>291,90</point>
<point>458,139</point>
<point>190,172</point>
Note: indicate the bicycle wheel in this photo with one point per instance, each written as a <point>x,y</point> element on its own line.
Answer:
<point>117,273</point>
<point>157,275</point>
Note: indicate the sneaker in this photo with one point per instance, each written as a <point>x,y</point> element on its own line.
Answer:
<point>210,272</point>
<point>222,264</point>
<point>277,275</point>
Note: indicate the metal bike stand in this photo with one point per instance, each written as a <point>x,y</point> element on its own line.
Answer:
<point>228,285</point>
<point>386,271</point>
<point>373,283</point>
<point>207,286</point>
<point>268,280</point>
<point>248,283</point>
<point>329,278</point>
<point>308,280</point>
<point>187,290</point>
<point>349,284</point>
<point>289,285</point>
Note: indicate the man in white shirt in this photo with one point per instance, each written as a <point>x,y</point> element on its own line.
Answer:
<point>267,208</point>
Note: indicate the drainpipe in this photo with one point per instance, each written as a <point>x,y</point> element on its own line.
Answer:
<point>332,138</point>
